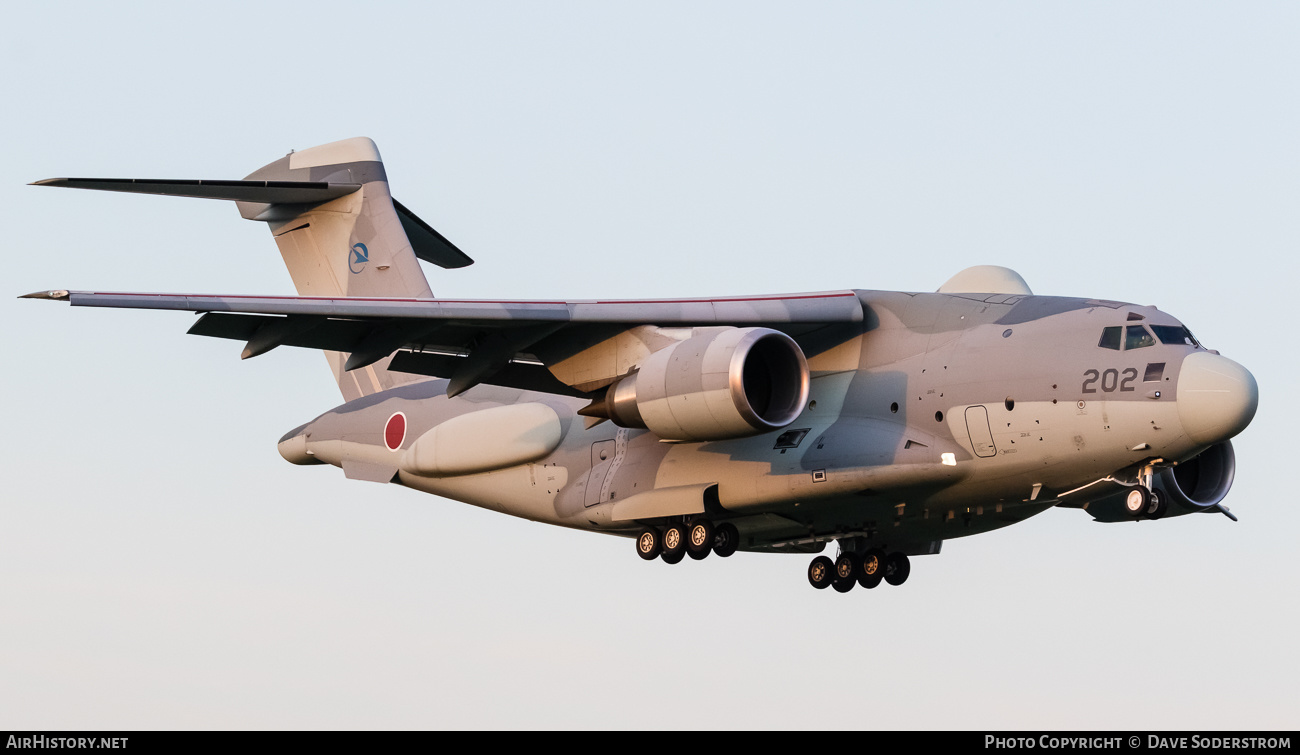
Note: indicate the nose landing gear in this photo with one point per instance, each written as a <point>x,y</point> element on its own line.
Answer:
<point>1144,501</point>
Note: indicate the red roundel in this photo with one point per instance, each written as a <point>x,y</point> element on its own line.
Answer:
<point>395,431</point>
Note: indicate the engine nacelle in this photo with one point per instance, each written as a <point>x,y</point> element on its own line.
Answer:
<point>1200,482</point>
<point>720,383</point>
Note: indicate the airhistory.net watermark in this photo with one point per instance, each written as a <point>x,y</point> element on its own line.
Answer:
<point>42,742</point>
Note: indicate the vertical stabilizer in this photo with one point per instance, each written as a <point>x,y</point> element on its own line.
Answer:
<point>353,245</point>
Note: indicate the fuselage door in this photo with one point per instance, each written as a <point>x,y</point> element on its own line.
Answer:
<point>602,458</point>
<point>981,435</point>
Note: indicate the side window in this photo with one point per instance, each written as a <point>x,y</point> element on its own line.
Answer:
<point>1110,338</point>
<point>1137,337</point>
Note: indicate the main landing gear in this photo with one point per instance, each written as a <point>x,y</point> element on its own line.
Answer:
<point>851,568</point>
<point>697,539</point>
<point>700,537</point>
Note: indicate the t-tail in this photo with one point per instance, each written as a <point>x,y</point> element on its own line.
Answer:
<point>340,232</point>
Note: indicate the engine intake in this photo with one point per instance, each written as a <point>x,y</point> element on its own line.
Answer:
<point>720,383</point>
<point>1202,481</point>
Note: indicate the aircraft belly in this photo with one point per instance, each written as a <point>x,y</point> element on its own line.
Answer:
<point>1059,444</point>
<point>526,491</point>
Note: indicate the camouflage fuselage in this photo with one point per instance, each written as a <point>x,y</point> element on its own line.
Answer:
<point>937,416</point>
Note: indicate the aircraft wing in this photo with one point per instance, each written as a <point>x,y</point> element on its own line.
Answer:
<point>507,342</point>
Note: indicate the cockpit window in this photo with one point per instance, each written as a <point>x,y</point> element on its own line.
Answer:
<point>1110,338</point>
<point>1137,337</point>
<point>1175,335</point>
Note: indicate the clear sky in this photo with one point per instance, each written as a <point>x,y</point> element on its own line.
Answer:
<point>162,567</point>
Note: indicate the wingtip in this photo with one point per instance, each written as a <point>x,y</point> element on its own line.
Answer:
<point>47,182</point>
<point>57,294</point>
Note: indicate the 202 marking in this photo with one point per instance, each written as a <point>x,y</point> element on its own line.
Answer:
<point>1110,380</point>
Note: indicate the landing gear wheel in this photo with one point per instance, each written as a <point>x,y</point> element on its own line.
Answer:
<point>872,570</point>
<point>698,555</point>
<point>1157,507</point>
<point>699,537</point>
<point>897,567</point>
<point>846,572</point>
<point>821,572</point>
<point>673,558</point>
<point>846,566</point>
<point>1137,501</point>
<point>675,539</point>
<point>726,538</point>
<point>648,544</point>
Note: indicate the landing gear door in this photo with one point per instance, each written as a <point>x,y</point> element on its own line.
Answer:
<point>981,435</point>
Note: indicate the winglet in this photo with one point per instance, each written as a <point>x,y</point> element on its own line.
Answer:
<point>55,295</point>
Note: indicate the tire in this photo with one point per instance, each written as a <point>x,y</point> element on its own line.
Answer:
<point>897,567</point>
<point>820,572</point>
<point>846,571</point>
<point>673,558</point>
<point>726,539</point>
<point>872,570</point>
<point>699,536</point>
<point>674,539</point>
<point>847,565</point>
<point>1158,506</point>
<point>648,543</point>
<point>698,555</point>
<point>1136,501</point>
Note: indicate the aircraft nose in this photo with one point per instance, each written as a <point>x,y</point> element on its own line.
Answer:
<point>1217,397</point>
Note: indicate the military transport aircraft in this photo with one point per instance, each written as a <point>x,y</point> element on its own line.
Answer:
<point>884,421</point>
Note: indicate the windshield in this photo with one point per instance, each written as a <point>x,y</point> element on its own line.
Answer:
<point>1175,335</point>
<point>1110,338</point>
<point>1136,337</point>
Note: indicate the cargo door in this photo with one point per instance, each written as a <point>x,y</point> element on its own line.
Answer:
<point>981,435</point>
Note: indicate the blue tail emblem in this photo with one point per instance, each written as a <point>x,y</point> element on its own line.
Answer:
<point>358,256</point>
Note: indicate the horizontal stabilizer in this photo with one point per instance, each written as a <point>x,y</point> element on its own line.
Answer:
<point>268,192</point>
<point>427,243</point>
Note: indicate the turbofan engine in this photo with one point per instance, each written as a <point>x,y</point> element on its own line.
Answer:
<point>720,383</point>
<point>1201,482</point>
